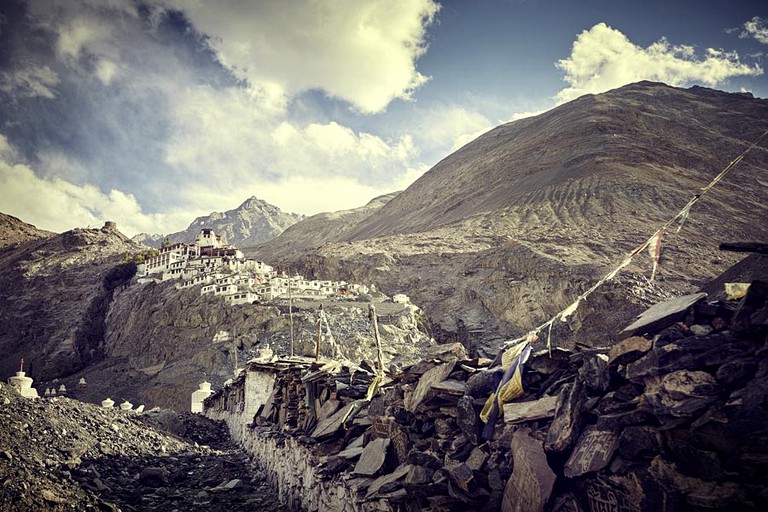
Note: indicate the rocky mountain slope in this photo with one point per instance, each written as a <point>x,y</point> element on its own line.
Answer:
<point>507,231</point>
<point>14,231</point>
<point>70,308</point>
<point>253,222</point>
<point>320,229</point>
<point>54,297</point>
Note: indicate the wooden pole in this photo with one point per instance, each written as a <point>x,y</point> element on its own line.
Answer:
<point>290,309</point>
<point>319,331</point>
<point>234,342</point>
<point>375,328</point>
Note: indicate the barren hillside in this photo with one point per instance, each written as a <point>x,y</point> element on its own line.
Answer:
<point>505,232</point>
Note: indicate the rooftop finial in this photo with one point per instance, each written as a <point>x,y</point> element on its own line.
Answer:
<point>21,367</point>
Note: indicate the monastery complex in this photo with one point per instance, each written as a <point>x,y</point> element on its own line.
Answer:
<point>224,271</point>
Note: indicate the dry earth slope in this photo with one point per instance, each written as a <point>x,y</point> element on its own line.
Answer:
<point>505,232</point>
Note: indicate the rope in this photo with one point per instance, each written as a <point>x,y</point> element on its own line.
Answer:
<point>681,216</point>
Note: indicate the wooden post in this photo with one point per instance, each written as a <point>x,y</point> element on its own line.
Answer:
<point>290,310</point>
<point>319,330</point>
<point>375,328</point>
<point>234,342</point>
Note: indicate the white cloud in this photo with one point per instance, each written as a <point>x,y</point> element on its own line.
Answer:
<point>30,82</point>
<point>361,51</point>
<point>756,28</point>
<point>223,143</point>
<point>603,58</point>
<point>450,127</point>
<point>58,205</point>
<point>87,31</point>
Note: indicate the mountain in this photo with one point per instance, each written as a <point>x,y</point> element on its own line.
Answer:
<point>253,222</point>
<point>152,240</point>
<point>507,231</point>
<point>54,299</point>
<point>14,231</point>
<point>319,229</point>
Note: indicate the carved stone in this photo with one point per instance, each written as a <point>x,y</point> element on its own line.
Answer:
<point>593,452</point>
<point>530,486</point>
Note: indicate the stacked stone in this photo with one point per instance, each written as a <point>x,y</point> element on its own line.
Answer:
<point>674,420</point>
<point>670,418</point>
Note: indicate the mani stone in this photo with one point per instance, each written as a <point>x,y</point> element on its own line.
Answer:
<point>593,452</point>
<point>568,418</point>
<point>385,482</point>
<point>431,377</point>
<point>629,350</point>
<point>530,485</point>
<point>521,412</point>
<point>373,457</point>
<point>604,497</point>
<point>662,315</point>
<point>329,426</point>
<point>681,393</point>
<point>467,419</point>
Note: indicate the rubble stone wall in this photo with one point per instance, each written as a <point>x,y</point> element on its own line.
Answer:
<point>290,466</point>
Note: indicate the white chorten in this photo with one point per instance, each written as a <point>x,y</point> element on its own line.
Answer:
<point>23,384</point>
<point>126,406</point>
<point>108,403</point>
<point>200,395</point>
<point>62,389</point>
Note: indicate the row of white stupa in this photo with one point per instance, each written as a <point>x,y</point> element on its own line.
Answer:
<point>23,385</point>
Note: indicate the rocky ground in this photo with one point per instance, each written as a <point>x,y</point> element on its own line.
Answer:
<point>61,454</point>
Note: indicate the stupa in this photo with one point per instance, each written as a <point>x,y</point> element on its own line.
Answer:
<point>200,395</point>
<point>23,384</point>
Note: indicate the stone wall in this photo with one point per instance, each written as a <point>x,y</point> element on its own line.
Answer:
<point>289,465</point>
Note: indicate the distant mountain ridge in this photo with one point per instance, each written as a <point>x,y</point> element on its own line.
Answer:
<point>253,222</point>
<point>320,229</point>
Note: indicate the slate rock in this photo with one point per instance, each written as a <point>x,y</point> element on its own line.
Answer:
<point>153,477</point>
<point>468,419</point>
<point>433,376</point>
<point>522,412</point>
<point>373,457</point>
<point>462,476</point>
<point>662,315</point>
<point>697,463</point>
<point>680,393</point>
<point>736,373</point>
<point>623,419</point>
<point>752,314</point>
<point>530,486</point>
<point>639,442</point>
<point>566,426</point>
<point>483,383</point>
<point>386,483</point>
<point>594,371</point>
<point>593,452</point>
<point>628,350</point>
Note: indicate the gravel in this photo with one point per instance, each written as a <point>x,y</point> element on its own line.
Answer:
<point>62,454</point>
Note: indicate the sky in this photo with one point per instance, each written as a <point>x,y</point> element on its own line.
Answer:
<point>151,113</point>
